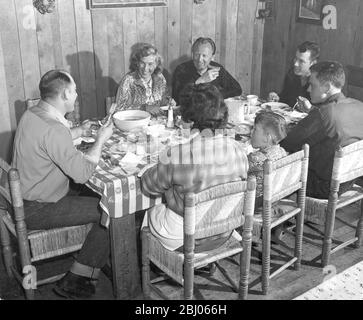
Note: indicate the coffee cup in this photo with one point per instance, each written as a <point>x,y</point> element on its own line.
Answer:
<point>252,99</point>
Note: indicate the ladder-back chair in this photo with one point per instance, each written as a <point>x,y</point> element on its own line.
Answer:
<point>282,178</point>
<point>348,165</point>
<point>32,246</point>
<point>211,212</point>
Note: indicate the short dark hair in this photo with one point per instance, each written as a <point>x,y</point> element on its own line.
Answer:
<point>329,72</point>
<point>142,50</point>
<point>204,105</point>
<point>53,83</point>
<point>273,124</point>
<point>313,47</point>
<point>202,40</point>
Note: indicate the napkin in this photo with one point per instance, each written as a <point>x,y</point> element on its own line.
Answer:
<point>131,158</point>
<point>129,163</point>
<point>79,140</point>
<point>296,114</point>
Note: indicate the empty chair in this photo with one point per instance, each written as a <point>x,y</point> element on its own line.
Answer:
<point>348,165</point>
<point>31,246</point>
<point>282,178</point>
<point>211,212</point>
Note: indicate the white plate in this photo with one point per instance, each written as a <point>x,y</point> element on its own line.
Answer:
<point>165,108</point>
<point>79,140</point>
<point>276,106</point>
<point>88,139</point>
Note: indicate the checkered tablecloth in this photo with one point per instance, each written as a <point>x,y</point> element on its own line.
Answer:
<point>120,193</point>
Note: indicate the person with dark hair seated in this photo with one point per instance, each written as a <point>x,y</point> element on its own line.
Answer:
<point>296,81</point>
<point>202,69</point>
<point>207,160</point>
<point>46,159</point>
<point>335,121</point>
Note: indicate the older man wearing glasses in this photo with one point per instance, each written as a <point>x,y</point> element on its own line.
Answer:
<point>202,69</point>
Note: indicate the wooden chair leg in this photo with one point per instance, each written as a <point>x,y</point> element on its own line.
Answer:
<point>359,230</point>
<point>145,262</point>
<point>328,233</point>
<point>29,294</point>
<point>245,260</point>
<point>266,251</point>
<point>298,239</point>
<point>6,248</point>
<point>188,275</point>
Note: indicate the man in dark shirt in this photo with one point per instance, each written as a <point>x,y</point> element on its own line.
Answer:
<point>296,81</point>
<point>201,69</point>
<point>336,121</point>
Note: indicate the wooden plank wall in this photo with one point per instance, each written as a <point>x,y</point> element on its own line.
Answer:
<point>94,46</point>
<point>283,34</point>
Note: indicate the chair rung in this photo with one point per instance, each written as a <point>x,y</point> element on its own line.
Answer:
<point>17,275</point>
<point>226,275</point>
<point>50,279</point>
<point>159,292</point>
<point>282,268</point>
<point>285,217</point>
<point>159,279</point>
<point>343,245</point>
<point>346,223</point>
<point>349,201</point>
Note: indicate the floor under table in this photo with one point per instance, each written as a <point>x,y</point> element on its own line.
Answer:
<point>285,286</point>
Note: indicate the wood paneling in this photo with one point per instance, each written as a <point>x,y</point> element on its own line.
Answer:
<point>95,46</point>
<point>283,34</point>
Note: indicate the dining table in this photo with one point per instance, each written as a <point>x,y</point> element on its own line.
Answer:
<point>117,179</point>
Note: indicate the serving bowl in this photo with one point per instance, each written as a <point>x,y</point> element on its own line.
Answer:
<point>128,120</point>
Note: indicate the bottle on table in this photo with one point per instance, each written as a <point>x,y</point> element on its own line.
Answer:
<point>170,122</point>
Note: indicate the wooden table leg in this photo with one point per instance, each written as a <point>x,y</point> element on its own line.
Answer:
<point>125,268</point>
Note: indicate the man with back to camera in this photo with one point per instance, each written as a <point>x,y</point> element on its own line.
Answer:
<point>335,121</point>
<point>296,83</point>
<point>202,69</point>
<point>46,159</point>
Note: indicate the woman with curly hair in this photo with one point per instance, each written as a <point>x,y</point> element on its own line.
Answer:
<point>144,87</point>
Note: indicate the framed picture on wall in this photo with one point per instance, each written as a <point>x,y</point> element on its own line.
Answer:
<point>102,4</point>
<point>309,11</point>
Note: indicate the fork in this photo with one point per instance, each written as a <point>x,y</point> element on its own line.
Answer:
<point>296,104</point>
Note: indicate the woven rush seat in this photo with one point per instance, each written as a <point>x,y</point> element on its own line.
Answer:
<point>316,209</point>
<point>171,262</point>
<point>46,244</point>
